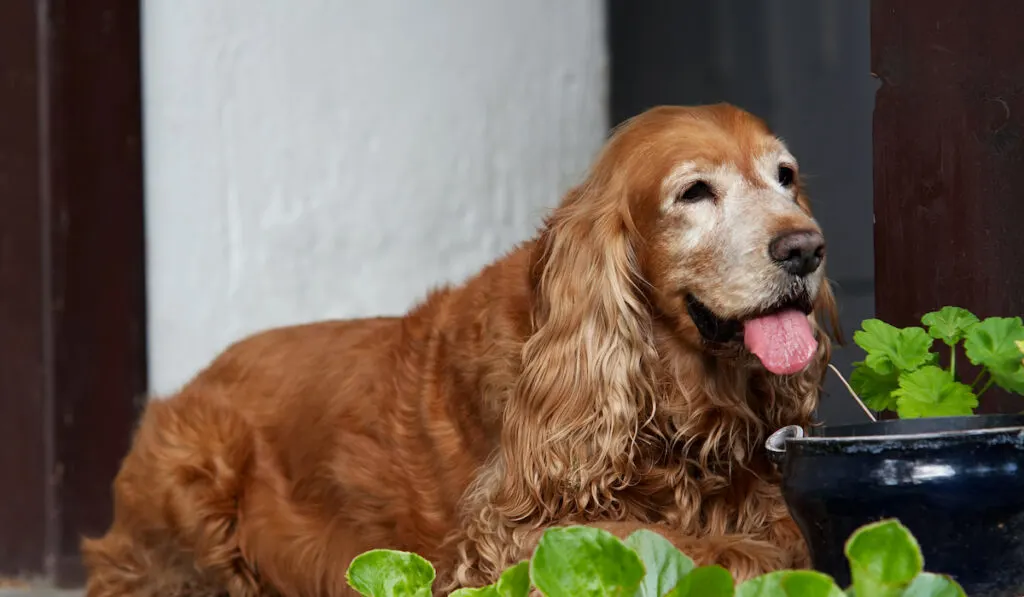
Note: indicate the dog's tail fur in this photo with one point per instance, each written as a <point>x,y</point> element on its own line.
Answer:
<point>176,504</point>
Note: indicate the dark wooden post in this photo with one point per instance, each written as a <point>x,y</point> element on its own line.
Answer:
<point>948,158</point>
<point>72,283</point>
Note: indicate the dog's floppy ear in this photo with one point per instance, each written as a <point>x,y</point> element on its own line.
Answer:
<point>586,384</point>
<point>826,312</point>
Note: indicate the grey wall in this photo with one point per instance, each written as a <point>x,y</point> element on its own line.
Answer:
<point>803,65</point>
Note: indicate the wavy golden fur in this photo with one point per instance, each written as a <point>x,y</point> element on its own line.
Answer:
<point>565,383</point>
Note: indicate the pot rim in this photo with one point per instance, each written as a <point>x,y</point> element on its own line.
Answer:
<point>905,436</point>
<point>777,443</point>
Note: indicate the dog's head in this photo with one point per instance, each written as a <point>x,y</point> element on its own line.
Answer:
<point>732,244</point>
<point>720,230</point>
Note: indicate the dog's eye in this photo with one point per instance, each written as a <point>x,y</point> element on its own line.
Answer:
<point>786,176</point>
<point>698,191</point>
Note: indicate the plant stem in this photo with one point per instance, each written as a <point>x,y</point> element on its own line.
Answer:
<point>952,361</point>
<point>974,383</point>
<point>856,398</point>
<point>988,384</point>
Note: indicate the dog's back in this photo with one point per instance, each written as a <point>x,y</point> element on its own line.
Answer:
<point>292,452</point>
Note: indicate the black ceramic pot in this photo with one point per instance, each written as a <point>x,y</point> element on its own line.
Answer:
<point>956,482</point>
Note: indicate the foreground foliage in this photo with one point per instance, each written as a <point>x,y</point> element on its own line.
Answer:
<point>885,561</point>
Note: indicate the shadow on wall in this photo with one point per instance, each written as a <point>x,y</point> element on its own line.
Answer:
<point>806,70</point>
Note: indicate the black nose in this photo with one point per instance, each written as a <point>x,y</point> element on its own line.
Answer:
<point>799,253</point>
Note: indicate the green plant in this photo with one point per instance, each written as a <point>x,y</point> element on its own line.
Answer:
<point>578,561</point>
<point>901,371</point>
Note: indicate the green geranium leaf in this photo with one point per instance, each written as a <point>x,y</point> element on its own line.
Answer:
<point>665,565</point>
<point>878,339</point>
<point>949,324</point>
<point>875,389</point>
<point>790,583</point>
<point>583,562</point>
<point>514,582</point>
<point>891,349</point>
<point>390,573</point>
<point>1011,382</point>
<point>932,585</point>
<point>884,559</point>
<point>933,392</point>
<point>993,345</point>
<point>706,581</point>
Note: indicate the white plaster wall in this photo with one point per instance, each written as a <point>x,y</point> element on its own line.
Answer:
<point>310,159</point>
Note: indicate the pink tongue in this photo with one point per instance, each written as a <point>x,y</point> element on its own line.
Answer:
<point>783,341</point>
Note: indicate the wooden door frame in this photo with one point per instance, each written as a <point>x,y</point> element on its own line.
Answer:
<point>72,273</point>
<point>948,161</point>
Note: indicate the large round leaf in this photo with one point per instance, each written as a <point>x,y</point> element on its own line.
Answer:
<point>584,562</point>
<point>933,585</point>
<point>390,573</point>
<point>665,565</point>
<point>790,583</point>
<point>514,582</point>
<point>706,581</point>
<point>884,559</point>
